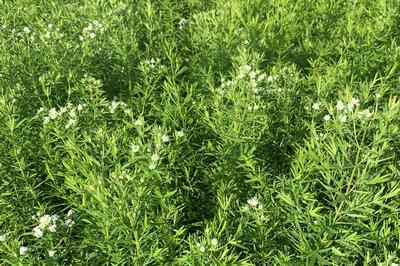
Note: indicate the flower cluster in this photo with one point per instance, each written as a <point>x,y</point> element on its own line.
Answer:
<point>135,148</point>
<point>152,64</point>
<point>202,247</point>
<point>364,114</point>
<point>346,110</point>
<point>115,104</point>
<point>182,23</point>
<point>254,203</point>
<point>23,250</point>
<point>72,111</point>
<point>139,122</point>
<point>258,81</point>
<point>25,32</point>
<point>46,222</point>
<point>122,175</point>
<point>49,223</point>
<point>341,106</point>
<point>153,160</point>
<point>91,30</point>
<point>159,139</point>
<point>51,33</point>
<point>253,76</point>
<point>69,222</point>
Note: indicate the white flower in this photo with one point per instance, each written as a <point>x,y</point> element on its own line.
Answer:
<point>52,252</point>
<point>155,157</point>
<point>364,114</point>
<point>135,148</point>
<point>113,106</point>
<point>394,264</point>
<point>62,110</point>
<point>2,238</point>
<point>354,102</point>
<point>46,120</point>
<point>340,105</point>
<point>71,122</point>
<point>52,228</point>
<point>69,223</point>
<point>81,38</point>
<point>343,118</point>
<point>26,29</point>
<point>180,133</point>
<point>152,166</point>
<point>139,122</point>
<point>246,68</point>
<point>23,250</point>
<point>50,26</point>
<point>240,76</point>
<point>315,106</point>
<point>44,221</point>
<point>41,109</point>
<point>55,217</point>
<point>72,113</point>
<point>202,249</point>
<point>252,74</point>
<point>89,27</point>
<point>270,78</point>
<point>214,242</point>
<point>79,107</point>
<point>183,21</point>
<point>53,113</point>
<point>70,213</point>
<point>37,232</point>
<point>92,35</point>
<point>327,117</point>
<point>165,138</point>
<point>253,201</point>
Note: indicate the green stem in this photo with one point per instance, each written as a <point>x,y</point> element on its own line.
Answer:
<point>353,172</point>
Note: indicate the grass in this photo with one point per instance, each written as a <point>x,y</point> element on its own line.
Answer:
<point>200,132</point>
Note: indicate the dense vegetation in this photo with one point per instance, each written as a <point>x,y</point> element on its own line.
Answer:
<point>224,132</point>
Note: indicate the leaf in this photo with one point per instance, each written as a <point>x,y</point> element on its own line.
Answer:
<point>314,212</point>
<point>379,179</point>
<point>392,193</point>
<point>337,252</point>
<point>286,198</point>
<point>233,243</point>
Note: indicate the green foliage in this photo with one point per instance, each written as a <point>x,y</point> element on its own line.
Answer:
<point>199,132</point>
